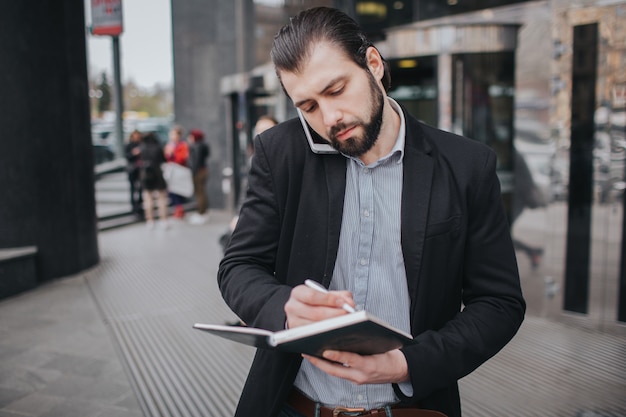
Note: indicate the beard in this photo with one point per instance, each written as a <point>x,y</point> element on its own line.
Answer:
<point>358,145</point>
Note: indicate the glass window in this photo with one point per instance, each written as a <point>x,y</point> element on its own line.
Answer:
<point>414,84</point>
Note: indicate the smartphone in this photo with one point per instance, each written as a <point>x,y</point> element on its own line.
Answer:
<point>317,144</point>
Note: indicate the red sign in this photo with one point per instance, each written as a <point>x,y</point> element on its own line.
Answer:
<point>106,17</point>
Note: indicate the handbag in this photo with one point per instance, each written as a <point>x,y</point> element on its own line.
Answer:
<point>178,178</point>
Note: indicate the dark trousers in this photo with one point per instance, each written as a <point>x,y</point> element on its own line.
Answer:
<point>136,199</point>
<point>177,200</point>
<point>287,411</point>
<point>199,187</point>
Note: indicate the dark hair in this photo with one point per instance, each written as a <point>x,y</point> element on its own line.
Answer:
<point>293,42</point>
<point>197,134</point>
<point>150,138</point>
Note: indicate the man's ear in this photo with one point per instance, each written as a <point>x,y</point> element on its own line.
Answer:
<point>375,62</point>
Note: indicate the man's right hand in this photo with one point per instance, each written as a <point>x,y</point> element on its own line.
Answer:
<point>305,305</point>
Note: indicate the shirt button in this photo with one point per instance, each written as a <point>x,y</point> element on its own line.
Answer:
<point>366,170</point>
<point>359,397</point>
<point>363,261</point>
<point>366,213</point>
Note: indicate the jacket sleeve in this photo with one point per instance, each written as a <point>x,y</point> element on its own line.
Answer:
<point>246,275</point>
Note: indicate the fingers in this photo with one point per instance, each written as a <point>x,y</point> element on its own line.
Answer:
<point>306,305</point>
<point>389,367</point>
<point>341,365</point>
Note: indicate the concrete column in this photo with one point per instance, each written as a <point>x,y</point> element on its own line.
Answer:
<point>207,38</point>
<point>46,157</point>
<point>444,91</point>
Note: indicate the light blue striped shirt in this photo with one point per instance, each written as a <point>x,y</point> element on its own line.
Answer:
<point>370,265</point>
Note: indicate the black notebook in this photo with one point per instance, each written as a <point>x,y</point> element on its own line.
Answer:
<point>358,332</point>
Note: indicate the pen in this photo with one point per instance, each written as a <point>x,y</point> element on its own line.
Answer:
<point>319,287</point>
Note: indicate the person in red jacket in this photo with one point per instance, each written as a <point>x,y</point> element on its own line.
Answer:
<point>177,150</point>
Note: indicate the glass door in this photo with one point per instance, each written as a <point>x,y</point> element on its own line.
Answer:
<point>483,87</point>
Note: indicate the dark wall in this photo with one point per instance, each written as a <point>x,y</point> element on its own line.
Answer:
<point>211,39</point>
<point>46,161</point>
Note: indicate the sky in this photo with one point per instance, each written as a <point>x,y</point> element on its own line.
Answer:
<point>145,44</point>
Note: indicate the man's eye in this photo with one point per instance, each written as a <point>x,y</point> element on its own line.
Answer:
<point>309,109</point>
<point>337,92</point>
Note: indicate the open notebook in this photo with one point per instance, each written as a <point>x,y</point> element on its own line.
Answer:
<point>358,332</point>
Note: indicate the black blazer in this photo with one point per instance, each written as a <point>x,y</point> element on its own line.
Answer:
<point>466,300</point>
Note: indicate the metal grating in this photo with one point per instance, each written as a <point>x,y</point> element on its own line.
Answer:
<point>150,295</point>
<point>151,286</point>
<point>551,369</point>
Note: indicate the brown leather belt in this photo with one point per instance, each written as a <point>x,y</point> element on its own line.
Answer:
<point>304,405</point>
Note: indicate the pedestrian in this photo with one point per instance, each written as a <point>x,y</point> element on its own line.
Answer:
<point>263,123</point>
<point>199,151</point>
<point>131,152</point>
<point>177,151</point>
<point>526,195</point>
<point>151,157</point>
<point>393,216</point>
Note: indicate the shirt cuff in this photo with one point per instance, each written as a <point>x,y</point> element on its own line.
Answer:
<point>406,388</point>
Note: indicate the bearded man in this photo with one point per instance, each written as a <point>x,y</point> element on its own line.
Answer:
<point>393,216</point>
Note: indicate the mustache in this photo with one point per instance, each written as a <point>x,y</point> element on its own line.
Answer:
<point>336,129</point>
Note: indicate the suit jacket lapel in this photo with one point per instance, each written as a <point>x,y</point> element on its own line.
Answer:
<point>336,187</point>
<point>416,189</point>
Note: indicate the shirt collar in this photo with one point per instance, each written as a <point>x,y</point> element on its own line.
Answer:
<point>399,145</point>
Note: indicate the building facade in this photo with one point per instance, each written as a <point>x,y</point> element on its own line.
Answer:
<point>543,84</point>
<point>48,217</point>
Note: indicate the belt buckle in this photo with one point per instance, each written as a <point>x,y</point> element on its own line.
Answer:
<point>348,411</point>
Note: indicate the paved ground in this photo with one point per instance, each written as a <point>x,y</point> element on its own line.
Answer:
<point>116,341</point>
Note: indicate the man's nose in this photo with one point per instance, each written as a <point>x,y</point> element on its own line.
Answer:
<point>331,115</point>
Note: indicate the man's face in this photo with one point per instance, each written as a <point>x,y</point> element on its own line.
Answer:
<point>340,100</point>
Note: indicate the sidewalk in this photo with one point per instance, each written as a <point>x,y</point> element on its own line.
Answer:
<point>116,341</point>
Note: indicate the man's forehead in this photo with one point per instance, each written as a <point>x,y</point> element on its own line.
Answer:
<point>324,64</point>
<point>312,52</point>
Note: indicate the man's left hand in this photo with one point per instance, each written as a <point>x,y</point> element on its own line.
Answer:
<point>389,367</point>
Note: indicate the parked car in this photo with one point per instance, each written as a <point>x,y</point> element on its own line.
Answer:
<point>105,142</point>
<point>103,147</point>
